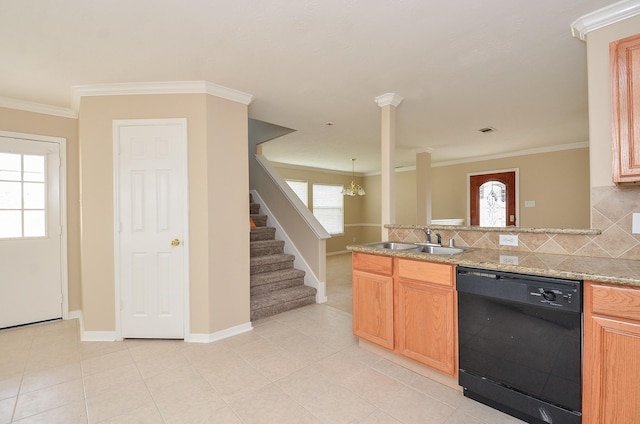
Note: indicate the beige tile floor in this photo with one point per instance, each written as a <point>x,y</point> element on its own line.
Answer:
<point>302,366</point>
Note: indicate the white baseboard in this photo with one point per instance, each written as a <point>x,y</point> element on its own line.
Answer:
<point>98,336</point>
<point>111,336</point>
<point>92,336</point>
<point>340,252</point>
<point>218,335</point>
<point>75,315</point>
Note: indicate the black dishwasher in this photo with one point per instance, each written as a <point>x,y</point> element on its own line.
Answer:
<point>520,344</point>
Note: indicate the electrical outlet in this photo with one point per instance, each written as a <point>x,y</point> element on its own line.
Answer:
<point>354,239</point>
<point>635,226</point>
<point>508,239</point>
<point>508,260</point>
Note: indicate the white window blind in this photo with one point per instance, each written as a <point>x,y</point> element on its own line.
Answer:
<point>328,207</point>
<point>300,188</point>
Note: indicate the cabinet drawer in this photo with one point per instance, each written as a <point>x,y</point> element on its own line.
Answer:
<point>426,271</point>
<point>619,302</point>
<point>373,263</point>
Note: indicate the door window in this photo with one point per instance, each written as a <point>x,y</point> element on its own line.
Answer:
<point>22,195</point>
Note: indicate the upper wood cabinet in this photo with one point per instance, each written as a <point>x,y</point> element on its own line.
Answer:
<point>611,393</point>
<point>625,95</point>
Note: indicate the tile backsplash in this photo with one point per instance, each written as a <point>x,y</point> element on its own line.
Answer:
<point>611,212</point>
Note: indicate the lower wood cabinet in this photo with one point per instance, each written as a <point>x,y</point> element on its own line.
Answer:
<point>426,314</point>
<point>611,376</point>
<point>373,298</point>
<point>408,306</point>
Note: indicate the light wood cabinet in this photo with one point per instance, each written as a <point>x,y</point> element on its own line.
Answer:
<point>426,314</point>
<point>611,388</point>
<point>625,96</point>
<point>407,306</point>
<point>373,298</point>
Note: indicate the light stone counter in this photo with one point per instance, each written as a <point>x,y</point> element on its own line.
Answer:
<point>615,271</point>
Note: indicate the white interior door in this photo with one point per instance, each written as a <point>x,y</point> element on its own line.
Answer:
<point>30,232</point>
<point>152,213</point>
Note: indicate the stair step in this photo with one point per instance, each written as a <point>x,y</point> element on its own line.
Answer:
<point>259,220</point>
<point>262,233</point>
<point>266,305</point>
<point>254,208</point>
<point>266,247</point>
<point>271,263</point>
<point>277,280</point>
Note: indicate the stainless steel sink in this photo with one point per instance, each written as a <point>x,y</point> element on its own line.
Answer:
<point>442,250</point>
<point>419,247</point>
<point>393,245</point>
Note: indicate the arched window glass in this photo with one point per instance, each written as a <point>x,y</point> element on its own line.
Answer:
<point>493,204</point>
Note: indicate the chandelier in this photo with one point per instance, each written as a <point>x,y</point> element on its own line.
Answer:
<point>353,188</point>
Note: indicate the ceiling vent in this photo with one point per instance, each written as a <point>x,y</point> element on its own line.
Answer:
<point>487,130</point>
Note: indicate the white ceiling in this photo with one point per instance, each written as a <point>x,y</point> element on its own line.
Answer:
<point>460,65</point>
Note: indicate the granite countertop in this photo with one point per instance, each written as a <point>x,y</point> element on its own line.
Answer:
<point>605,270</point>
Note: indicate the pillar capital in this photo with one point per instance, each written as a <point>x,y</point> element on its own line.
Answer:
<point>387,99</point>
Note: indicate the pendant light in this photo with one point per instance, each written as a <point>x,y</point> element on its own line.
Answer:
<point>353,189</point>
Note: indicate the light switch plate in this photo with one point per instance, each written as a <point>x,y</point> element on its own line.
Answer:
<point>529,203</point>
<point>508,239</point>
<point>635,226</point>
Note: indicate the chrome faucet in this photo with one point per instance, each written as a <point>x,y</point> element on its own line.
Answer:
<point>427,232</point>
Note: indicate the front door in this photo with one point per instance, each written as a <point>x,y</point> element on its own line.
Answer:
<point>152,203</point>
<point>492,199</point>
<point>30,231</point>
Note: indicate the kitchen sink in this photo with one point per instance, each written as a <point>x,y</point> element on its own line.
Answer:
<point>419,247</point>
<point>393,245</point>
<point>442,250</point>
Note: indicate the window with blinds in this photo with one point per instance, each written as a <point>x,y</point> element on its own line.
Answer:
<point>328,207</point>
<point>300,188</point>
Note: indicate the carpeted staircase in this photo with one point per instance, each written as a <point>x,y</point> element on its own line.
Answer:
<point>275,285</point>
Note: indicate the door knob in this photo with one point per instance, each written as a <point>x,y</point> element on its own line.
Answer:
<point>175,242</point>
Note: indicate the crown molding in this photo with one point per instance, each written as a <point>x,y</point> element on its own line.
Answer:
<point>37,108</point>
<point>606,16</point>
<point>314,169</point>
<point>163,87</point>
<point>569,146</point>
<point>387,99</point>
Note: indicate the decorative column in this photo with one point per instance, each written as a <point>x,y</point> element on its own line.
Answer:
<point>388,104</point>
<point>423,187</point>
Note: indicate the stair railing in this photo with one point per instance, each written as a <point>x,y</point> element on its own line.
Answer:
<point>304,236</point>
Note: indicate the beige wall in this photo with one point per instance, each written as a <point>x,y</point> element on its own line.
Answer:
<point>216,130</point>
<point>228,218</point>
<point>406,205</point>
<point>54,126</point>
<point>557,181</point>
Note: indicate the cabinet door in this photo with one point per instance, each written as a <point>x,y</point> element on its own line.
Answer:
<point>625,96</point>
<point>373,308</point>
<point>611,392</point>
<point>425,324</point>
